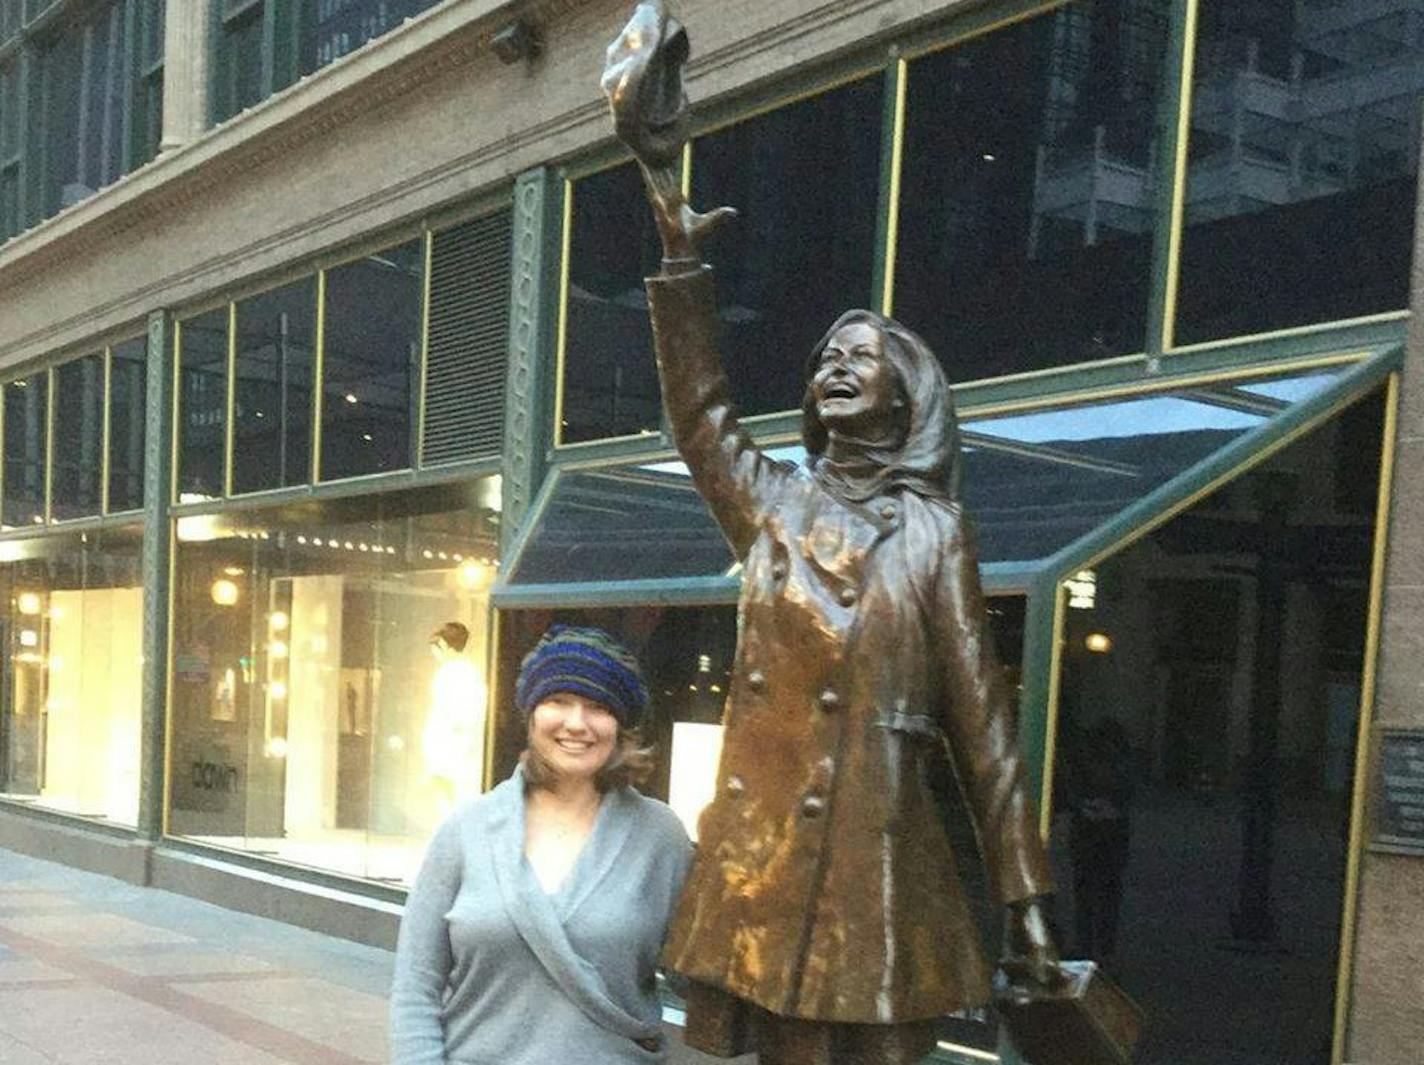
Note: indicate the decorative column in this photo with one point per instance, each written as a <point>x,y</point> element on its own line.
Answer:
<point>157,556</point>
<point>533,319</point>
<point>186,44</point>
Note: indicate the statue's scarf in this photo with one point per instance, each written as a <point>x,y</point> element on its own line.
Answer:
<point>924,459</point>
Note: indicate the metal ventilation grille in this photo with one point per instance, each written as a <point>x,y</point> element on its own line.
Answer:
<point>469,333</point>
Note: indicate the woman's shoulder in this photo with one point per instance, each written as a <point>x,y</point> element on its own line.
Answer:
<point>655,817</point>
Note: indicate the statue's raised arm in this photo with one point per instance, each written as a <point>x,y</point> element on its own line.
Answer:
<point>643,82</point>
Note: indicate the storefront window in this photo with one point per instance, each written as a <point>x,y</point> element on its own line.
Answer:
<point>202,405</point>
<point>79,426</point>
<point>26,412</point>
<point>273,379</point>
<point>71,612</point>
<point>1208,718</point>
<point>1303,148</point>
<point>1027,202</point>
<point>610,382</point>
<point>806,180</point>
<point>371,362</point>
<point>311,721</point>
<point>128,383</point>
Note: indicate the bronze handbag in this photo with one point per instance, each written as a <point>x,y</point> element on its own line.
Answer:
<point>1089,1020</point>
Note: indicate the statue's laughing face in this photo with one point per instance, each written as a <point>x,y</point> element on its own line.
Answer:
<point>855,386</point>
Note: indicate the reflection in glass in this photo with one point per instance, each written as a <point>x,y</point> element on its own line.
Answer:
<point>84,94</point>
<point>128,383</point>
<point>304,682</point>
<point>610,385</point>
<point>1300,182</point>
<point>1033,482</point>
<point>26,410</point>
<point>79,429</point>
<point>71,611</point>
<point>1026,205</point>
<point>202,405</point>
<point>687,655</point>
<point>805,178</point>
<point>1208,713</point>
<point>370,362</point>
<point>272,378</point>
<point>238,82</point>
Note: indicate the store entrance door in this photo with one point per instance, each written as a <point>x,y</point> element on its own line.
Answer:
<point>1206,732</point>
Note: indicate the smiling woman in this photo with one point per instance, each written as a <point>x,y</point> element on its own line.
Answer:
<point>489,934</point>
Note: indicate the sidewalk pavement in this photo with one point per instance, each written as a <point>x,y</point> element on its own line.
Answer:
<point>94,971</point>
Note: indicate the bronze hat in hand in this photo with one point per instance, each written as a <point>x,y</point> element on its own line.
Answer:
<point>643,82</point>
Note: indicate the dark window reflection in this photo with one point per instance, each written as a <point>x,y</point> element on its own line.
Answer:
<point>1209,712</point>
<point>238,83</point>
<point>1300,187</point>
<point>202,405</point>
<point>84,105</point>
<point>25,415</point>
<point>128,383</point>
<point>806,179</point>
<point>370,361</point>
<point>79,438</point>
<point>610,385</point>
<point>1026,206</point>
<point>273,376</point>
<point>10,220</point>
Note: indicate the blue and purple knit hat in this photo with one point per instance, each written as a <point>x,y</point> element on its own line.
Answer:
<point>587,662</point>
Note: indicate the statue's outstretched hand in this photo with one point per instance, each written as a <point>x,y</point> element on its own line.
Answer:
<point>682,229</point>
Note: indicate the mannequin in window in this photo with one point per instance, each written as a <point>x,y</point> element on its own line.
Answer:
<point>453,740</point>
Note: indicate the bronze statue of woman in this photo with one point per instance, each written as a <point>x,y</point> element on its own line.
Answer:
<point>823,922</point>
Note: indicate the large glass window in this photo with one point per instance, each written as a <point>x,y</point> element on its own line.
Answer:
<point>71,613</point>
<point>371,362</point>
<point>1208,718</point>
<point>1027,202</point>
<point>202,405</point>
<point>273,378</point>
<point>77,478</point>
<point>128,382</point>
<point>311,720</point>
<point>805,178</point>
<point>610,383</point>
<point>1303,153</point>
<point>84,92</point>
<point>26,416</point>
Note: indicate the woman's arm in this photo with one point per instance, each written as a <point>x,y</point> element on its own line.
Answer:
<point>423,956</point>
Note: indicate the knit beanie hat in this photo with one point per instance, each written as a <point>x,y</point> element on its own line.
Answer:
<point>587,662</point>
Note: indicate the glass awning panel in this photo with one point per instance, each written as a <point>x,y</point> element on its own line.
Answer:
<point>1034,482</point>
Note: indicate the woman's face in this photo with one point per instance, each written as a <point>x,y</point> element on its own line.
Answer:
<point>856,388</point>
<point>573,735</point>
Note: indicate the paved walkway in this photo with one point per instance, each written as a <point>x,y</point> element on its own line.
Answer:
<point>94,971</point>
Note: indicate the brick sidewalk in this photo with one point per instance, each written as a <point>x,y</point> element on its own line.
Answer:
<point>94,970</point>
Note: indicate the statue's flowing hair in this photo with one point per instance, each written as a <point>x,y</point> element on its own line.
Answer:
<point>925,458</point>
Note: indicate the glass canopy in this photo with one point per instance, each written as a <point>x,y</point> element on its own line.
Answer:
<point>1034,482</point>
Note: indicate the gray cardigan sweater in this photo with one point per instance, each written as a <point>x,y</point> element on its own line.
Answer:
<point>491,970</point>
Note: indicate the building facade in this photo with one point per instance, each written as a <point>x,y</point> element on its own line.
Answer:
<point>322,326</point>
